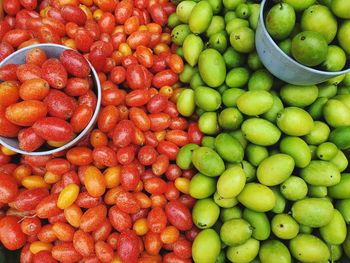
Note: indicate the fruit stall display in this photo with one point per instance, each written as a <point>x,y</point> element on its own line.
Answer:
<point>198,154</point>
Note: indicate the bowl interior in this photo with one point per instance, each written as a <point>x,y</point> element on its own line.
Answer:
<point>265,6</point>
<point>52,51</point>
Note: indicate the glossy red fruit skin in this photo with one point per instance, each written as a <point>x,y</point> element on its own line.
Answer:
<point>5,50</point>
<point>44,256</point>
<point>28,140</point>
<point>11,234</point>
<point>65,252</point>
<point>8,72</point>
<point>128,246</point>
<point>53,129</point>
<point>8,188</point>
<point>123,132</point>
<point>7,128</point>
<point>74,14</point>
<point>16,37</point>
<point>26,113</point>
<point>92,218</point>
<point>28,199</point>
<point>47,34</point>
<point>179,215</point>
<point>138,77</point>
<point>59,104</point>
<point>47,207</point>
<point>28,71</point>
<point>77,87</point>
<point>83,243</point>
<point>75,63</point>
<point>54,73</point>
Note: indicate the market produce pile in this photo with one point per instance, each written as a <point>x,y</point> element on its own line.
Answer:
<point>198,152</point>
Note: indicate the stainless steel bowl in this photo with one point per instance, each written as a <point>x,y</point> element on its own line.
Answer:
<point>52,51</point>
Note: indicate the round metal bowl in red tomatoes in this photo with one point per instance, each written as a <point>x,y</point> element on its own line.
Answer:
<point>50,96</point>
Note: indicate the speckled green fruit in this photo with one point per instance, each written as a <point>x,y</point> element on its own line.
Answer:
<point>284,226</point>
<point>343,207</point>
<point>274,251</point>
<point>256,154</point>
<point>208,162</point>
<point>299,96</point>
<point>300,5</point>
<point>184,9</point>
<point>230,213</point>
<point>277,106</point>
<point>342,189</point>
<point>202,186</point>
<point>205,213</point>
<point>260,132</point>
<point>230,118</point>
<point>280,21</point>
<point>184,157</point>
<point>335,60</point>
<point>186,103</point>
<point>313,212</point>
<point>235,232</point>
<point>179,33</point>
<point>309,48</point>
<point>209,241</point>
<point>260,223</point>
<point>336,113</point>
<point>257,197</point>
<point>318,134</point>
<point>294,188</point>
<point>255,102</point>
<point>295,121</point>
<point>319,18</point>
<point>320,173</point>
<point>280,204</point>
<point>207,98</point>
<point>200,17</point>
<point>308,248</point>
<point>340,8</point>
<point>244,253</point>
<point>242,39</point>
<point>298,149</point>
<point>229,148</point>
<point>231,182</point>
<point>326,151</point>
<point>192,48</point>
<point>275,169</point>
<point>212,67</point>
<point>208,123</point>
<point>335,231</point>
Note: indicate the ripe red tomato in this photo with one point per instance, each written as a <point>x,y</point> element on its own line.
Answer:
<point>11,234</point>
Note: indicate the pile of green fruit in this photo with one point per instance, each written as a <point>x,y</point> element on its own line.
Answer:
<point>313,33</point>
<point>271,182</point>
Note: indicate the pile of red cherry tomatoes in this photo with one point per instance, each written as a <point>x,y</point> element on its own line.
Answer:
<point>118,195</point>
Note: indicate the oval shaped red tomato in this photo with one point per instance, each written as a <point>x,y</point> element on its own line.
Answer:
<point>179,215</point>
<point>28,140</point>
<point>128,246</point>
<point>26,113</point>
<point>72,13</point>
<point>75,63</point>
<point>65,252</point>
<point>28,199</point>
<point>8,188</point>
<point>54,73</point>
<point>83,243</point>
<point>59,104</point>
<point>81,118</point>
<point>53,129</point>
<point>28,71</point>
<point>92,218</point>
<point>123,133</point>
<point>11,234</point>
<point>47,207</point>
